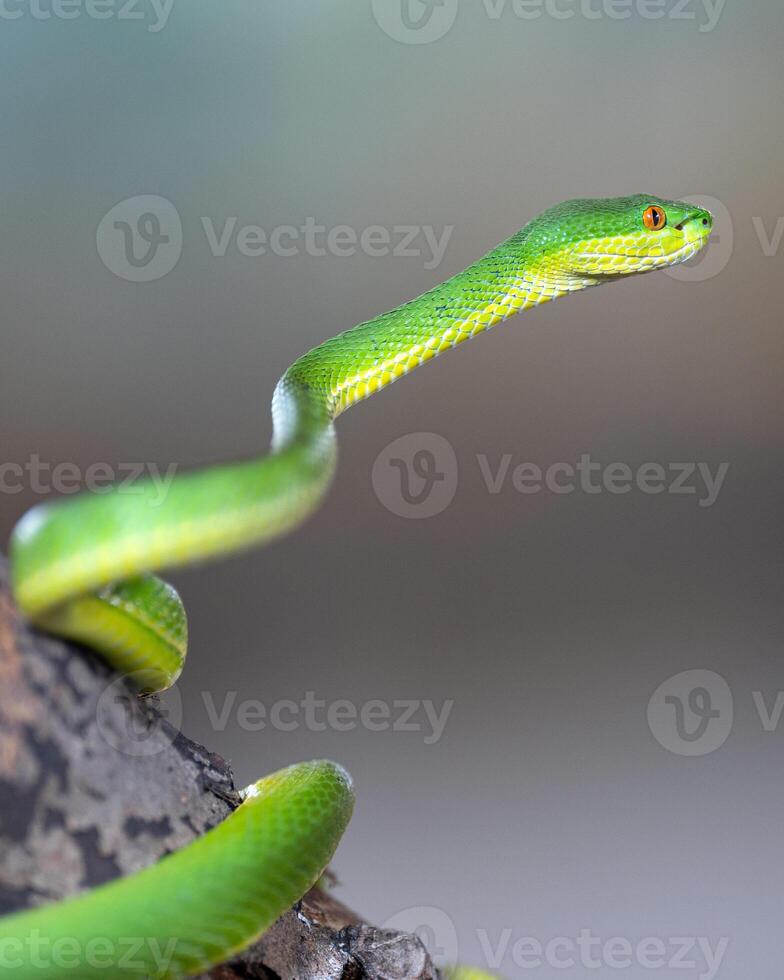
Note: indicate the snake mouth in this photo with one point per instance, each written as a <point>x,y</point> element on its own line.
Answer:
<point>688,249</point>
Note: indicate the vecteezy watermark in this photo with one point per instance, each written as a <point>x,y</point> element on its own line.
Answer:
<point>770,242</point>
<point>70,954</point>
<point>505,947</point>
<point>38,476</point>
<point>415,21</point>
<point>315,714</point>
<point>153,13</point>
<point>592,952</point>
<point>309,237</point>
<point>425,21</point>
<point>433,926</point>
<point>140,239</point>
<point>692,713</point>
<point>588,476</point>
<point>416,476</point>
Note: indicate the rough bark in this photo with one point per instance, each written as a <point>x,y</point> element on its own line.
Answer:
<point>95,783</point>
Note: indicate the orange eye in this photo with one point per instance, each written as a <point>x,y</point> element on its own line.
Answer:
<point>654,218</point>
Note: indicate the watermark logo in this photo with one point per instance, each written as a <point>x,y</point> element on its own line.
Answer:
<point>312,238</point>
<point>415,21</point>
<point>412,715</point>
<point>132,727</point>
<point>593,952</point>
<point>433,926</point>
<point>415,476</point>
<point>140,239</point>
<point>694,479</point>
<point>424,21</point>
<point>770,241</point>
<point>691,714</point>
<point>504,948</point>
<point>34,951</point>
<point>40,476</point>
<point>154,13</point>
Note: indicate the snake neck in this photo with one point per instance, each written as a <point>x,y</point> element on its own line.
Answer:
<point>360,362</point>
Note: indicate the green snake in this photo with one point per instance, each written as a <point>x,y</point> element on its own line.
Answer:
<point>81,569</point>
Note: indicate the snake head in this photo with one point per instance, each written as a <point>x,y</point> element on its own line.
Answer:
<point>595,239</point>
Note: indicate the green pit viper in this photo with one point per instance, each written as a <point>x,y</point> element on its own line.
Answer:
<point>81,569</point>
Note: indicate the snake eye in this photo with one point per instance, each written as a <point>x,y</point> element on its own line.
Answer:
<point>654,218</point>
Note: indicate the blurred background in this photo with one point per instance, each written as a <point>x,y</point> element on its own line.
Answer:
<point>544,786</point>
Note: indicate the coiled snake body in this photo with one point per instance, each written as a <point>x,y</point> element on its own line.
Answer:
<point>81,569</point>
